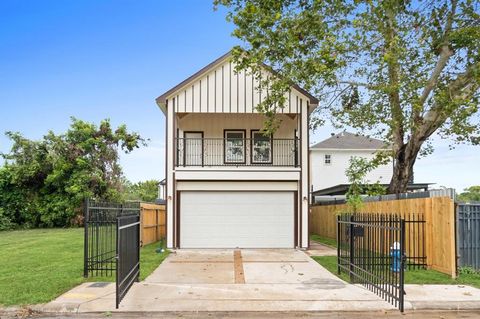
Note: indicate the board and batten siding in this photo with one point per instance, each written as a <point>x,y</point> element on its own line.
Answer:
<point>223,90</point>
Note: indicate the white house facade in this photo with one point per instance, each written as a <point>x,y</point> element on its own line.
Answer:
<point>330,158</point>
<point>227,184</point>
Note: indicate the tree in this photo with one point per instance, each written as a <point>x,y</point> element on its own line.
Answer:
<point>470,194</point>
<point>356,173</point>
<point>43,183</point>
<point>398,70</point>
<point>15,202</point>
<point>146,191</point>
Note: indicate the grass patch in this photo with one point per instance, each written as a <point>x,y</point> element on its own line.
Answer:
<point>40,264</point>
<point>330,263</point>
<point>324,240</point>
<point>150,259</point>
<point>417,276</point>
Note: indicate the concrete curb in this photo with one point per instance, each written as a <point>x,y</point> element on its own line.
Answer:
<point>451,305</point>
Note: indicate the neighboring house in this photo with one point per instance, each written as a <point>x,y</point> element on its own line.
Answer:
<point>161,192</point>
<point>228,185</point>
<point>330,158</point>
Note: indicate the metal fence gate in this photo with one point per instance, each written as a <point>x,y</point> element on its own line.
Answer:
<point>468,235</point>
<point>128,258</point>
<point>371,249</point>
<point>112,242</point>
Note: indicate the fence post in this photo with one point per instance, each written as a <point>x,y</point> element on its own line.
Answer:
<point>86,217</point>
<point>117,260</point>
<point>402,264</point>
<point>352,243</point>
<point>156,225</point>
<point>296,151</point>
<point>338,244</point>
<point>138,226</point>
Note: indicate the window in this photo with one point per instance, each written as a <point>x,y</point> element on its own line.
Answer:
<point>234,146</point>
<point>261,146</point>
<point>328,159</point>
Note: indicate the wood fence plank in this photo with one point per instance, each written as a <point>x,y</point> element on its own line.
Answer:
<point>439,231</point>
<point>153,226</point>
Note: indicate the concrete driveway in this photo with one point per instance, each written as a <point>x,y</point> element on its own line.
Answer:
<point>251,280</point>
<point>245,280</point>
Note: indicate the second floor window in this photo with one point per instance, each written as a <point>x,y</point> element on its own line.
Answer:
<point>328,159</point>
<point>261,148</point>
<point>234,147</point>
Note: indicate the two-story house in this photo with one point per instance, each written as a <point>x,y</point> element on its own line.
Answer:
<point>227,184</point>
<point>331,157</point>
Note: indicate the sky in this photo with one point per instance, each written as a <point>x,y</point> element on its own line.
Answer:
<point>111,59</point>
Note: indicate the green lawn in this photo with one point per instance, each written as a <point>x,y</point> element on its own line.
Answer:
<point>419,276</point>
<point>38,265</point>
<point>324,240</point>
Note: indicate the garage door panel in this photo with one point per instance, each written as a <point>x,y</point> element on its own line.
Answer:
<point>236,219</point>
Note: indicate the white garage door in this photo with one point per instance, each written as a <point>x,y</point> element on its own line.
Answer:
<point>236,219</point>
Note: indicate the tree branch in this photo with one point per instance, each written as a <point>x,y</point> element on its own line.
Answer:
<point>462,88</point>
<point>445,53</point>
<point>354,83</point>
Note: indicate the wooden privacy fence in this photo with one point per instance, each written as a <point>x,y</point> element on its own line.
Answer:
<point>434,238</point>
<point>153,223</point>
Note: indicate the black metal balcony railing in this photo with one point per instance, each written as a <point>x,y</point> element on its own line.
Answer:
<point>236,152</point>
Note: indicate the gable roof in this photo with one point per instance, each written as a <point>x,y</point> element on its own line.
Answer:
<point>161,100</point>
<point>347,141</point>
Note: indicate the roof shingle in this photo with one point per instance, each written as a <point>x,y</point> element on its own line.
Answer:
<point>346,140</point>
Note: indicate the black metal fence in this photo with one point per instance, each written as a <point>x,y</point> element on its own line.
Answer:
<point>236,152</point>
<point>415,242</point>
<point>128,248</point>
<point>100,239</point>
<point>468,234</point>
<point>371,249</point>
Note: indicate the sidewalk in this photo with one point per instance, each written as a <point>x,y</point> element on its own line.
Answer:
<point>318,249</point>
<point>274,280</point>
<point>85,298</point>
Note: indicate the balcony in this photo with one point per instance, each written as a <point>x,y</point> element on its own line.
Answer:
<point>234,152</point>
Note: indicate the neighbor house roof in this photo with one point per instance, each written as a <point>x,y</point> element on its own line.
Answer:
<point>161,100</point>
<point>342,189</point>
<point>350,141</point>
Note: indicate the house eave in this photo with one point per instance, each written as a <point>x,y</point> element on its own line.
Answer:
<point>162,99</point>
<point>162,106</point>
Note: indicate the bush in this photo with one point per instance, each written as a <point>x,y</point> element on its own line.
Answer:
<point>467,270</point>
<point>5,222</point>
<point>43,183</point>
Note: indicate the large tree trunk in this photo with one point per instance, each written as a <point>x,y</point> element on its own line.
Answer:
<point>403,167</point>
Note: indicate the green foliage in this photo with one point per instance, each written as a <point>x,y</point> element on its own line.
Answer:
<point>15,202</point>
<point>356,173</point>
<point>471,194</point>
<point>146,191</point>
<point>466,270</point>
<point>44,182</point>
<point>5,222</point>
<point>398,70</point>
